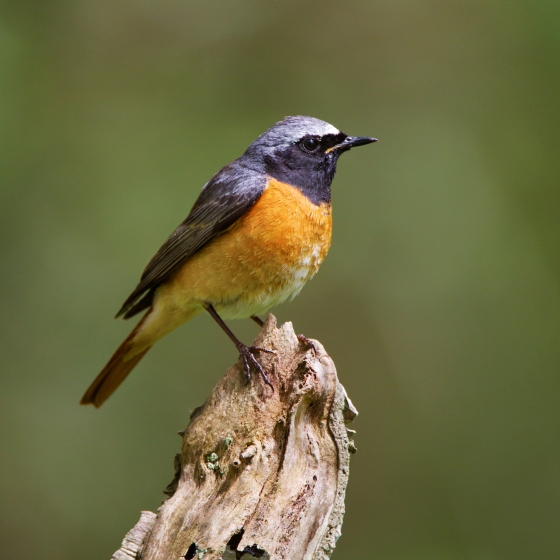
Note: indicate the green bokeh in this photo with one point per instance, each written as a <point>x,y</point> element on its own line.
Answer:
<point>439,300</point>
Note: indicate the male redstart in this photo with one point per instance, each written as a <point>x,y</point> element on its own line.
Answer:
<point>258,231</point>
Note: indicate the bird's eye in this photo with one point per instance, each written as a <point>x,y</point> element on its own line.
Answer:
<point>310,144</point>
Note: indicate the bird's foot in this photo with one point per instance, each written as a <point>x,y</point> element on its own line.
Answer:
<point>247,353</point>
<point>309,343</point>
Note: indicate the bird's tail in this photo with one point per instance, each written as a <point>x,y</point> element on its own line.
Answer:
<point>123,361</point>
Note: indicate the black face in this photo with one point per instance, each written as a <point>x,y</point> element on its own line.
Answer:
<point>321,144</point>
<point>309,164</point>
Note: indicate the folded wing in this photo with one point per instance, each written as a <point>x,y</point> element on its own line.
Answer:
<point>223,200</point>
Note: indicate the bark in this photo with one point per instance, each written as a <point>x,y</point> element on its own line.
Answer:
<point>262,473</point>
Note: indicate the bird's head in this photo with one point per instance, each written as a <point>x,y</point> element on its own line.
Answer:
<point>302,151</point>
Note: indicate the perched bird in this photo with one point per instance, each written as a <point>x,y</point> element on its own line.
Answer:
<point>258,231</point>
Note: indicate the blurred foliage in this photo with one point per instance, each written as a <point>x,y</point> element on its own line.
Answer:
<point>439,301</point>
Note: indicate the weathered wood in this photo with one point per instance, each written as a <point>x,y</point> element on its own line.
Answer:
<point>134,539</point>
<point>262,473</point>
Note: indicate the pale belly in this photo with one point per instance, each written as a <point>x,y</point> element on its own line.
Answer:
<point>283,285</point>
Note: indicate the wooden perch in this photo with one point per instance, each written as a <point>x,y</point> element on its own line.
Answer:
<point>262,473</point>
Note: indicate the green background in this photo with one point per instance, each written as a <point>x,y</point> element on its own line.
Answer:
<point>439,300</point>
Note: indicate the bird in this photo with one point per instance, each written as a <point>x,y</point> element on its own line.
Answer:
<point>257,233</point>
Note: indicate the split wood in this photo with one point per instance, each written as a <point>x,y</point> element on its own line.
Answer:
<point>262,473</point>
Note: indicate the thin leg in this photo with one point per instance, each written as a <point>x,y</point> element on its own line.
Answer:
<point>245,351</point>
<point>257,320</point>
<point>307,342</point>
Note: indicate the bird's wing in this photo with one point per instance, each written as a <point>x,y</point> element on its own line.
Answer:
<point>223,200</point>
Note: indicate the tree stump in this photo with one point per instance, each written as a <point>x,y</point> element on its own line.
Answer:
<point>262,473</point>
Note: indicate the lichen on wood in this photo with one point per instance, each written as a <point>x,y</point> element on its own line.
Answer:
<point>262,472</point>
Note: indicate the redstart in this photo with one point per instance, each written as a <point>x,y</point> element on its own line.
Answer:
<point>258,231</point>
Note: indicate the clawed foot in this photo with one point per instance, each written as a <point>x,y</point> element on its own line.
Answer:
<point>249,359</point>
<point>307,342</point>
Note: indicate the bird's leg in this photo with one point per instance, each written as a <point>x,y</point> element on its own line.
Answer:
<point>245,351</point>
<point>300,337</point>
<point>307,342</point>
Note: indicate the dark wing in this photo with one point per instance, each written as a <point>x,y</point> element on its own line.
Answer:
<point>223,200</point>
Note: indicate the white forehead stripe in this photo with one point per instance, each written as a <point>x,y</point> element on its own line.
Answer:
<point>292,129</point>
<point>312,127</point>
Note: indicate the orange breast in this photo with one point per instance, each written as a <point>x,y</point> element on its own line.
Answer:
<point>263,259</point>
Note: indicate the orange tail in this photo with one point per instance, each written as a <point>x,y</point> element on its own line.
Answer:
<point>115,372</point>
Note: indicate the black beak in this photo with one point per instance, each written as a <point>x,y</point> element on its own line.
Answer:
<point>352,142</point>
